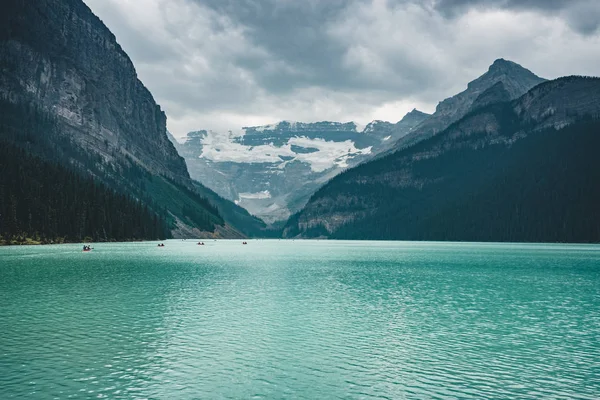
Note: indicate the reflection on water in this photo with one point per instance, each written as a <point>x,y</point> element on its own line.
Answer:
<point>301,319</point>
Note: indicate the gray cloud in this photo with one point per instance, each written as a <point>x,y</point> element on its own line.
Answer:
<point>222,64</point>
<point>294,35</point>
<point>582,15</point>
<point>545,5</point>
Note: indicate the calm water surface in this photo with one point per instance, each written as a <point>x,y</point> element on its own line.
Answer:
<point>301,319</point>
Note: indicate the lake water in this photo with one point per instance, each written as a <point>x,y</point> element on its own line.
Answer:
<point>300,319</point>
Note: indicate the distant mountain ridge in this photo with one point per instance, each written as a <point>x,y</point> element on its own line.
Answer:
<point>522,170</point>
<point>274,182</point>
<point>272,170</point>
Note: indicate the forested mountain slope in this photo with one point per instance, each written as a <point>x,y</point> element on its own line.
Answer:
<point>70,94</point>
<point>46,203</point>
<point>525,170</point>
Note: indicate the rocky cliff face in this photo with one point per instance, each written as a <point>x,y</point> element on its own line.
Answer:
<point>495,94</point>
<point>59,62</point>
<point>515,79</point>
<point>273,170</point>
<point>58,55</point>
<point>414,193</point>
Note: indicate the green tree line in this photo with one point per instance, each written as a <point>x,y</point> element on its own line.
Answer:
<point>40,134</point>
<point>541,188</point>
<point>47,202</point>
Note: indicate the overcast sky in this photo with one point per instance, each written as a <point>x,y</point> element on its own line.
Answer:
<point>224,64</point>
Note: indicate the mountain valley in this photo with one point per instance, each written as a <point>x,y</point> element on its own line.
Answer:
<point>510,158</point>
<point>273,170</point>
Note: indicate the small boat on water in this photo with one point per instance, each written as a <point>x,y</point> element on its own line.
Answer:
<point>87,249</point>
<point>161,245</point>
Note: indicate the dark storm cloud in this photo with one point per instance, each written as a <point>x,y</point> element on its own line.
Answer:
<point>300,50</point>
<point>581,15</point>
<point>222,64</point>
<point>295,35</point>
<point>446,5</point>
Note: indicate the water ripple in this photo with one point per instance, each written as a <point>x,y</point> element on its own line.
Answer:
<point>303,319</point>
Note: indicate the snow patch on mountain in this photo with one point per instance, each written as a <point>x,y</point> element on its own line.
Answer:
<point>327,154</point>
<point>273,170</point>
<point>265,194</point>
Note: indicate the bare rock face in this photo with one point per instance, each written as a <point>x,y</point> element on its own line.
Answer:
<point>61,65</point>
<point>57,55</point>
<point>515,80</point>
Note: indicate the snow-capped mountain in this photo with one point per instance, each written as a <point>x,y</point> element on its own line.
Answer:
<point>273,170</point>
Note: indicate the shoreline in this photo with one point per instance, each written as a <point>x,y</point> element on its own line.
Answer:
<point>32,242</point>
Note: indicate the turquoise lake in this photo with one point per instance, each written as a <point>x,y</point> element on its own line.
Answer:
<point>300,319</point>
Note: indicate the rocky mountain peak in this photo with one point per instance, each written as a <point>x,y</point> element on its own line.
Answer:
<point>414,115</point>
<point>516,81</point>
<point>505,65</point>
<point>376,124</point>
